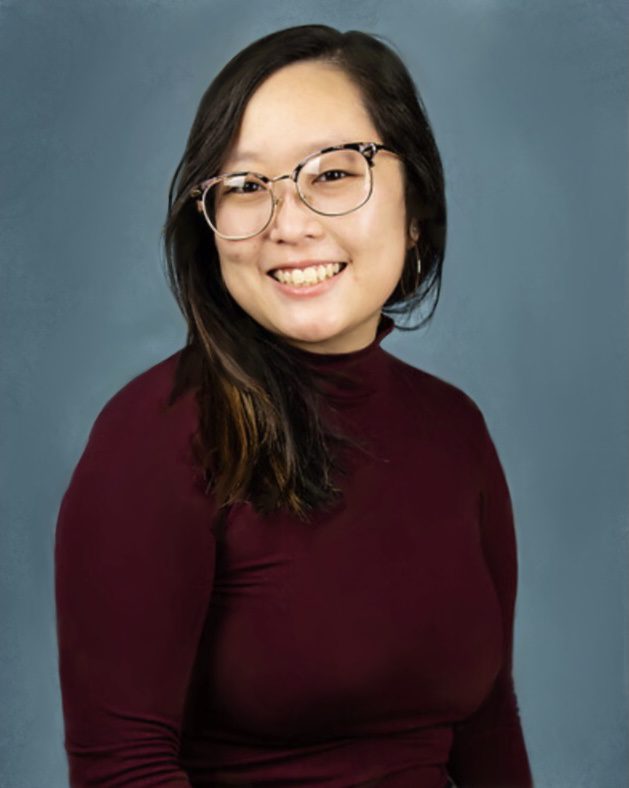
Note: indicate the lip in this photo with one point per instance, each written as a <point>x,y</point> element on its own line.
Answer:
<point>308,291</point>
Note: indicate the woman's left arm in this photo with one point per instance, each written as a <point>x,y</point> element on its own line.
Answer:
<point>489,749</point>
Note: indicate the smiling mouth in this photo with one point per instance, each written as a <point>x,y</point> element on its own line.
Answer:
<point>303,277</point>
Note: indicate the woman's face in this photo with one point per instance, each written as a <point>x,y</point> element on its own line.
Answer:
<point>299,110</point>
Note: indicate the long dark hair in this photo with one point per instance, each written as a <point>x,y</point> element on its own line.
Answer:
<point>261,437</point>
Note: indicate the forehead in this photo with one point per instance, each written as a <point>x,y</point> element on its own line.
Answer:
<point>297,110</point>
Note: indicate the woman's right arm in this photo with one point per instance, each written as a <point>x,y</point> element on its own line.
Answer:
<point>134,568</point>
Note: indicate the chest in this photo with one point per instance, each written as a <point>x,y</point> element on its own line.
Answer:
<point>382,607</point>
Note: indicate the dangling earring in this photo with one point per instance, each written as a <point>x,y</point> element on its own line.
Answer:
<point>419,268</point>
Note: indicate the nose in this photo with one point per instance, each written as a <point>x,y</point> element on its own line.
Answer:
<point>293,219</point>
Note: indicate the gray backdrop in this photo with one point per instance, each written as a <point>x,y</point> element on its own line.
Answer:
<point>528,99</point>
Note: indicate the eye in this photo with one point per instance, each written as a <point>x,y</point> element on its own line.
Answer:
<point>243,187</point>
<point>332,175</point>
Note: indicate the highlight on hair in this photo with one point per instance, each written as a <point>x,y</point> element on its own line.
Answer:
<point>261,436</point>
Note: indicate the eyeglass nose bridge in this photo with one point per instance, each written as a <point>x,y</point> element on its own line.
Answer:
<point>293,176</point>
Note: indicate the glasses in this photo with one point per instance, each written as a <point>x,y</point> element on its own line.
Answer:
<point>332,182</point>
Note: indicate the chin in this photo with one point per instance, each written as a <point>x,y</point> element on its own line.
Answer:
<point>311,331</point>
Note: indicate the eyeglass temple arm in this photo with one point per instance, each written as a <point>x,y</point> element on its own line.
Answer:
<point>195,193</point>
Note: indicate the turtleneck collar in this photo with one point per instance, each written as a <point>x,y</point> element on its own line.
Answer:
<point>354,374</point>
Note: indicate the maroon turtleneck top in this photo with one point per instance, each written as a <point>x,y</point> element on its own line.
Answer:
<point>371,647</point>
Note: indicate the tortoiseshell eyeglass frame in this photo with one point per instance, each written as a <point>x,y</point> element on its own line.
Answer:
<point>367,149</point>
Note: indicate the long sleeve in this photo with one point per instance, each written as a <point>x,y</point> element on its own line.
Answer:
<point>489,749</point>
<point>134,564</point>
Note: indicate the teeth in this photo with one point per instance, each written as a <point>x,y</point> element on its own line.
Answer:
<point>306,276</point>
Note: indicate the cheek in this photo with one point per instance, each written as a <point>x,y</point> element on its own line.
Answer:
<point>378,234</point>
<point>235,257</point>
<point>236,262</point>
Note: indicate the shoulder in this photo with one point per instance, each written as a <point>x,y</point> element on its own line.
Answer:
<point>449,414</point>
<point>145,394</point>
<point>137,425</point>
<point>143,403</point>
<point>436,397</point>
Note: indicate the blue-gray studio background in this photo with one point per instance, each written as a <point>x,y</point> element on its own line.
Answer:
<point>528,99</point>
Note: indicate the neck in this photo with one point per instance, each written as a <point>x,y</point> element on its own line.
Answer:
<point>353,374</point>
<point>357,339</point>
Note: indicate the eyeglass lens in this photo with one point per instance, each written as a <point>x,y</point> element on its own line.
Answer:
<point>330,183</point>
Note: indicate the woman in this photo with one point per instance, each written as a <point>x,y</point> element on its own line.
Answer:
<point>286,557</point>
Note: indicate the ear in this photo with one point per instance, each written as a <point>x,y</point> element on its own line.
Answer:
<point>413,233</point>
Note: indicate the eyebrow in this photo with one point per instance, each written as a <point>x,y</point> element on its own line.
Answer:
<point>317,145</point>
